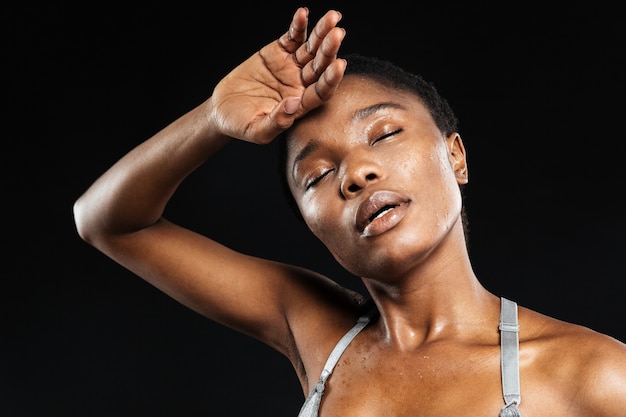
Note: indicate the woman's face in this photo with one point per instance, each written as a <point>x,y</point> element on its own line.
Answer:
<point>375,179</point>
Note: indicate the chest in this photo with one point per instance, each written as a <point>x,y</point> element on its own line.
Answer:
<point>442,382</point>
<point>428,383</point>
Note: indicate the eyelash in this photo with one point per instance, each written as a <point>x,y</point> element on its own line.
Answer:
<point>386,135</point>
<point>311,184</point>
<point>317,179</point>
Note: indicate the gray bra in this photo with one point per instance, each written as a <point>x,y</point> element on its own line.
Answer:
<point>509,360</point>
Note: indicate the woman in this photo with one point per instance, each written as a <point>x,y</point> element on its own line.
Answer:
<point>376,167</point>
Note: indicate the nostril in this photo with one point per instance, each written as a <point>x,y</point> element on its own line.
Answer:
<point>358,185</point>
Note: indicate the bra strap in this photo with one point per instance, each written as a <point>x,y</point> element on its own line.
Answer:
<point>312,403</point>
<point>509,358</point>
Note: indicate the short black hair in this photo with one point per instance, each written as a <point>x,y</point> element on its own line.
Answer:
<point>391,75</point>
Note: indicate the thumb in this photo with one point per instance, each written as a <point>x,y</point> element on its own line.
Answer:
<point>291,105</point>
<point>280,119</point>
<point>285,113</point>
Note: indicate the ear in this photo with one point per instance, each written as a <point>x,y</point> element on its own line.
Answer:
<point>456,154</point>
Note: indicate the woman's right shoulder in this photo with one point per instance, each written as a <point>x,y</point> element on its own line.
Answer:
<point>320,313</point>
<point>316,303</point>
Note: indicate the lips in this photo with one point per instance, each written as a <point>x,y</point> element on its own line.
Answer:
<point>380,212</point>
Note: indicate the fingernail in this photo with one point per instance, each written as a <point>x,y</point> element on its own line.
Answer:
<point>291,105</point>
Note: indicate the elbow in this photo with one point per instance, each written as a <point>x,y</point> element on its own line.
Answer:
<point>82,221</point>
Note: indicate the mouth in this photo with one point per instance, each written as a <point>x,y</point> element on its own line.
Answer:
<point>380,212</point>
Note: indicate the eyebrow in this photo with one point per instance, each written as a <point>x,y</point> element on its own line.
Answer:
<point>360,114</point>
<point>369,110</point>
<point>310,147</point>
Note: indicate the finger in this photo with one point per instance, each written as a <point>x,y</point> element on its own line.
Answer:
<point>321,91</point>
<point>326,55</point>
<point>306,52</point>
<point>296,35</point>
<point>279,119</point>
<point>283,114</point>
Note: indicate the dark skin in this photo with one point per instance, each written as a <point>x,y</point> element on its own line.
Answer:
<point>354,147</point>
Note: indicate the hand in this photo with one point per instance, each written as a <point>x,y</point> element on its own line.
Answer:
<point>283,81</point>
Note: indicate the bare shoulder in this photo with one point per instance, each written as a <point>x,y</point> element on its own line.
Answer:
<point>584,368</point>
<point>319,313</point>
<point>568,339</point>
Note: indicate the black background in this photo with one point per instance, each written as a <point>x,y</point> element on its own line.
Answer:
<point>539,92</point>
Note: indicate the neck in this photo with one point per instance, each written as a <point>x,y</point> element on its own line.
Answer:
<point>435,301</point>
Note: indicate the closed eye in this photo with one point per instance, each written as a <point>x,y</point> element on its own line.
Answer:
<point>386,135</point>
<point>314,181</point>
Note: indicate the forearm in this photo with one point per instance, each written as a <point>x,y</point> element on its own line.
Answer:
<point>133,193</point>
<point>256,101</point>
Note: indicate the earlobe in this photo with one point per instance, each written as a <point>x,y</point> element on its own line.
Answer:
<point>461,176</point>
<point>458,160</point>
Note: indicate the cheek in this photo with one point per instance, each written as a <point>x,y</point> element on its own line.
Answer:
<point>447,194</point>
<point>436,167</point>
<point>320,218</point>
<point>430,178</point>
<point>312,213</point>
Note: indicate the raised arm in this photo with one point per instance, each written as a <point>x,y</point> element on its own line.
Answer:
<point>121,213</point>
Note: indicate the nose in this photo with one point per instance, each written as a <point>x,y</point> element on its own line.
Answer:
<point>357,175</point>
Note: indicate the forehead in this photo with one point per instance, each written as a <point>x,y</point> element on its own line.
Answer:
<point>357,92</point>
<point>352,103</point>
